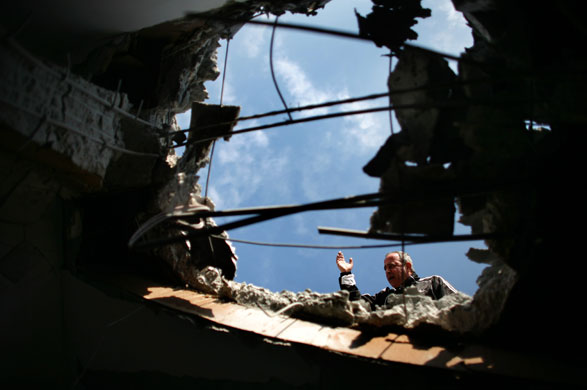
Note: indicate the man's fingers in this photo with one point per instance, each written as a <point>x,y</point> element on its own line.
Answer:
<point>351,261</point>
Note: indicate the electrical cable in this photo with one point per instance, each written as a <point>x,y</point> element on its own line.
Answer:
<point>306,246</point>
<point>390,113</point>
<point>363,98</point>
<point>221,99</point>
<point>452,104</point>
<point>292,122</point>
<point>273,72</point>
<point>314,106</point>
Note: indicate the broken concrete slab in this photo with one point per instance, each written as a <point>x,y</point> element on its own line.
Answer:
<point>67,122</point>
<point>455,313</point>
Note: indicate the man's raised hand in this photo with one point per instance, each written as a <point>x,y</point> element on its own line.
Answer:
<point>342,265</point>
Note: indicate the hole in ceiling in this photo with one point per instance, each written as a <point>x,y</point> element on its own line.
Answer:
<point>319,160</point>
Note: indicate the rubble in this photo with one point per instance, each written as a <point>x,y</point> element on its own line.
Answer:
<point>456,313</point>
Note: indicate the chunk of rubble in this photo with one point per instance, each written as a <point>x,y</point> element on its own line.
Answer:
<point>412,309</point>
<point>455,313</point>
<point>331,308</point>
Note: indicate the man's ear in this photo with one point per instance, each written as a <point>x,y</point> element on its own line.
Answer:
<point>409,268</point>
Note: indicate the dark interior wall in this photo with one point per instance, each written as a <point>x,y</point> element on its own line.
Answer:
<point>31,297</point>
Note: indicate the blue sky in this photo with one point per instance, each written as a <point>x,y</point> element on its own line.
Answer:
<point>318,160</point>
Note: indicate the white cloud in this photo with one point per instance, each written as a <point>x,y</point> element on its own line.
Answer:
<point>454,17</point>
<point>245,168</point>
<point>299,86</point>
<point>447,29</point>
<point>366,131</point>
<point>241,147</point>
<point>252,40</point>
<point>300,225</point>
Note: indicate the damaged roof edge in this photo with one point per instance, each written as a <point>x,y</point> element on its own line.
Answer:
<point>379,346</point>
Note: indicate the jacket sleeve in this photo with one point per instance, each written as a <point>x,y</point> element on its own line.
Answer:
<point>346,281</point>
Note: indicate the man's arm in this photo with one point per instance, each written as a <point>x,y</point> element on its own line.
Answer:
<point>346,280</point>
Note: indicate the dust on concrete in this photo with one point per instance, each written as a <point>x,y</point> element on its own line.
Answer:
<point>457,313</point>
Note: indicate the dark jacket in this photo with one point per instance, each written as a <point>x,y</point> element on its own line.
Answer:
<point>433,286</point>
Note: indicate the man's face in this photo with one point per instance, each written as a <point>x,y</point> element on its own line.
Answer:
<point>394,272</point>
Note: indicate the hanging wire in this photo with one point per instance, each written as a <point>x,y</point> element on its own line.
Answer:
<point>306,246</point>
<point>273,72</point>
<point>408,238</point>
<point>221,99</point>
<point>451,104</point>
<point>403,241</point>
<point>301,108</point>
<point>293,122</point>
<point>422,240</point>
<point>390,113</point>
<point>315,106</point>
<point>224,71</point>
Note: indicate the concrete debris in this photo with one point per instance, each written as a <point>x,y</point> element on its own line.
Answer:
<point>413,309</point>
<point>495,285</point>
<point>332,308</point>
<point>211,120</point>
<point>178,200</point>
<point>42,107</point>
<point>455,313</point>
